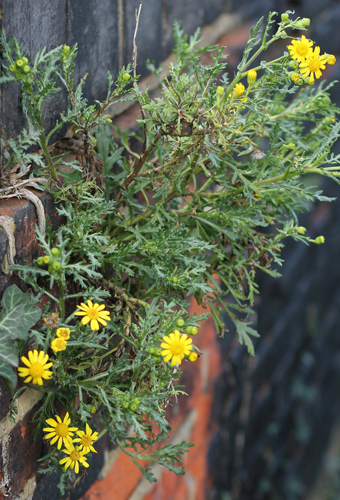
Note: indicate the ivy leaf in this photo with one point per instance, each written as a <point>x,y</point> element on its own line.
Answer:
<point>8,374</point>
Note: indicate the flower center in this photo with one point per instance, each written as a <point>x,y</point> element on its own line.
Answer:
<point>92,313</point>
<point>86,440</point>
<point>60,344</point>
<point>177,347</point>
<point>314,65</point>
<point>302,49</point>
<point>37,370</point>
<point>61,430</point>
<point>75,456</point>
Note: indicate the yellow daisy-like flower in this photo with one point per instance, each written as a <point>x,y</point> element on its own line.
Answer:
<point>63,333</point>
<point>239,89</point>
<point>58,345</point>
<point>176,346</point>
<point>86,439</point>
<point>75,457</point>
<point>301,49</point>
<point>251,76</point>
<point>313,65</point>
<point>59,430</point>
<point>94,313</point>
<point>37,367</point>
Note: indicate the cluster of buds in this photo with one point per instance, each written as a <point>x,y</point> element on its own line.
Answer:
<point>21,70</point>
<point>54,265</point>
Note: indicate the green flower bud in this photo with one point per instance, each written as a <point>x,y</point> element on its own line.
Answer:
<point>46,259</point>
<point>136,401</point>
<point>25,60</point>
<point>220,90</point>
<point>192,330</point>
<point>40,261</point>
<point>320,240</point>
<point>301,230</point>
<point>157,359</point>
<point>19,63</point>
<point>56,265</point>
<point>18,76</point>
<point>173,279</point>
<point>12,68</point>
<point>299,82</point>
<point>55,252</point>
<point>306,22</point>
<point>50,269</point>
<point>329,120</point>
<point>152,350</point>
<point>291,145</point>
<point>283,34</point>
<point>66,49</point>
<point>285,17</point>
<point>180,322</point>
<point>293,64</point>
<point>26,69</point>
<point>308,81</point>
<point>125,404</point>
<point>126,77</point>
<point>158,351</point>
<point>133,407</point>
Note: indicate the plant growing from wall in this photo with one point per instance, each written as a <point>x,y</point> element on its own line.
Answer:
<point>204,202</point>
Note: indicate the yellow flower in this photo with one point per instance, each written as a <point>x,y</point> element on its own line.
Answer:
<point>63,333</point>
<point>58,345</point>
<point>94,313</point>
<point>301,49</point>
<point>59,430</point>
<point>87,439</point>
<point>331,59</point>
<point>75,457</point>
<point>239,89</point>
<point>313,65</point>
<point>176,346</point>
<point>37,367</point>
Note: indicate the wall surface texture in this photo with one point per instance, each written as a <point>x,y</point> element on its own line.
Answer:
<point>260,425</point>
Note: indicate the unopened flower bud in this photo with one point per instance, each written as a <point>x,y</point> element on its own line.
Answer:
<point>295,77</point>
<point>193,356</point>
<point>220,90</point>
<point>251,76</point>
<point>26,69</point>
<point>180,322</point>
<point>331,59</point>
<point>25,60</point>
<point>306,22</point>
<point>66,49</point>
<point>320,240</point>
<point>239,89</point>
<point>19,63</point>
<point>46,259</point>
<point>126,76</point>
<point>285,17</point>
<point>12,68</point>
<point>293,64</point>
<point>299,82</point>
<point>301,230</point>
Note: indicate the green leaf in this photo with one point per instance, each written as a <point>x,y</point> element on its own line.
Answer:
<point>9,352</point>
<point>244,332</point>
<point>10,323</point>
<point>8,374</point>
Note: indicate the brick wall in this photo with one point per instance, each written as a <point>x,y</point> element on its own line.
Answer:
<point>260,425</point>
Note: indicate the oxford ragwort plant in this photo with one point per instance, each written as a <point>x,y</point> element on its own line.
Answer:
<point>204,202</point>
